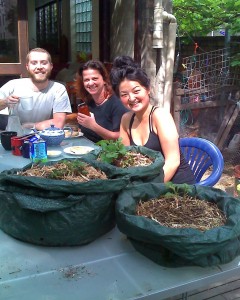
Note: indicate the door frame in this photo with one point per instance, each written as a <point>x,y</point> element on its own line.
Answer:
<point>19,68</point>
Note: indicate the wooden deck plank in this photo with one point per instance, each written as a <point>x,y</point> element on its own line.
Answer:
<point>228,290</point>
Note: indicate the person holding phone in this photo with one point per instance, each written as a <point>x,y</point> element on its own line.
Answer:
<point>105,107</point>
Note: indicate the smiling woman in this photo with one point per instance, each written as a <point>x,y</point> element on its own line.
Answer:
<point>105,108</point>
<point>145,124</point>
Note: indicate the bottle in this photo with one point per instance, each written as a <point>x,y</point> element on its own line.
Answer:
<point>83,109</point>
<point>14,122</point>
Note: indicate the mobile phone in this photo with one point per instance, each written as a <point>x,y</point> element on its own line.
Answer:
<point>83,109</point>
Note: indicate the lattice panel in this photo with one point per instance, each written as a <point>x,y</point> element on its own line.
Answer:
<point>204,76</point>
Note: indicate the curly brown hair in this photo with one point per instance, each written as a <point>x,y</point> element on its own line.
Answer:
<point>93,65</point>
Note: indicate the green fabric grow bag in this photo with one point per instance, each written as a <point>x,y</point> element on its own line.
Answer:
<point>173,247</point>
<point>150,173</point>
<point>57,212</point>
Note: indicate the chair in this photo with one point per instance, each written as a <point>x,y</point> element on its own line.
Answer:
<point>200,155</point>
<point>72,93</point>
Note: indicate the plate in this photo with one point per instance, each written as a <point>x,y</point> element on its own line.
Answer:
<point>78,150</point>
<point>54,153</point>
<point>75,136</point>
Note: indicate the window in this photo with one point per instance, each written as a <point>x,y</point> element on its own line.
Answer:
<point>84,25</point>
<point>48,26</point>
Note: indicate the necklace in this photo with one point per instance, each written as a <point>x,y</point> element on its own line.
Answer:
<point>99,103</point>
<point>105,95</point>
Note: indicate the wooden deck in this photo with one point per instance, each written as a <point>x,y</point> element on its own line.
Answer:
<point>228,290</point>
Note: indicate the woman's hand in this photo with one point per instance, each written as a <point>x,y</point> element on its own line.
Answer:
<point>86,121</point>
<point>90,122</point>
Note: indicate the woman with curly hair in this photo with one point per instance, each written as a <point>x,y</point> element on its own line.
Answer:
<point>105,107</point>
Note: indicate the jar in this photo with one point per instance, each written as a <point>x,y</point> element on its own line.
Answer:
<point>14,121</point>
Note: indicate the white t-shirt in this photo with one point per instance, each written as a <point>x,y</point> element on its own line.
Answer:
<point>52,99</point>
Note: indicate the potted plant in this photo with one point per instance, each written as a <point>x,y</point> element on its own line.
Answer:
<point>137,162</point>
<point>47,205</point>
<point>179,246</point>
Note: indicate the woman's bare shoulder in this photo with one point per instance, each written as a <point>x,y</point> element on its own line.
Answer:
<point>127,116</point>
<point>161,111</point>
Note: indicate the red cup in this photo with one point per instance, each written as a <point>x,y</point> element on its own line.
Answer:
<point>16,143</point>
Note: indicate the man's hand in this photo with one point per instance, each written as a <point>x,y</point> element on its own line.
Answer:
<point>29,125</point>
<point>12,100</point>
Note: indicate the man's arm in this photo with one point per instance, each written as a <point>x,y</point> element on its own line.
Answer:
<point>3,103</point>
<point>58,121</point>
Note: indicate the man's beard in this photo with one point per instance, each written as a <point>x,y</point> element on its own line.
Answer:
<point>42,79</point>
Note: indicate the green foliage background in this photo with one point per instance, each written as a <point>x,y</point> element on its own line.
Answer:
<point>199,17</point>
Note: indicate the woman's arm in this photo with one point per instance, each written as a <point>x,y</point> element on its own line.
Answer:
<point>89,122</point>
<point>168,136</point>
<point>124,128</point>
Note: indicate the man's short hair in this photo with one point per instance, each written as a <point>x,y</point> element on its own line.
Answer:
<point>39,50</point>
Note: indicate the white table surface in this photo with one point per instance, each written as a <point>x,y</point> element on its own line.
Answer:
<point>107,269</point>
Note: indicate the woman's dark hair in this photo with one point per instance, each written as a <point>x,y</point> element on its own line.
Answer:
<point>124,67</point>
<point>92,65</point>
<point>124,60</point>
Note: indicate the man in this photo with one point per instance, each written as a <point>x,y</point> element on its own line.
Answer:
<point>51,101</point>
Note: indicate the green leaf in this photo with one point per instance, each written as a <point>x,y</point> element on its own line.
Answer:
<point>111,150</point>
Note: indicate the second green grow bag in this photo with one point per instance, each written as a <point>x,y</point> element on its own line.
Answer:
<point>174,247</point>
<point>57,212</point>
<point>149,173</point>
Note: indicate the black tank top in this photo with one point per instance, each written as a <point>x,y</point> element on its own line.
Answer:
<point>153,140</point>
<point>183,173</point>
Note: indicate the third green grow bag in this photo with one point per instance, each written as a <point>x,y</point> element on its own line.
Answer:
<point>174,247</point>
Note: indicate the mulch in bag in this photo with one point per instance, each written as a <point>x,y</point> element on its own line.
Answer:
<point>174,247</point>
<point>56,212</point>
<point>149,173</point>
